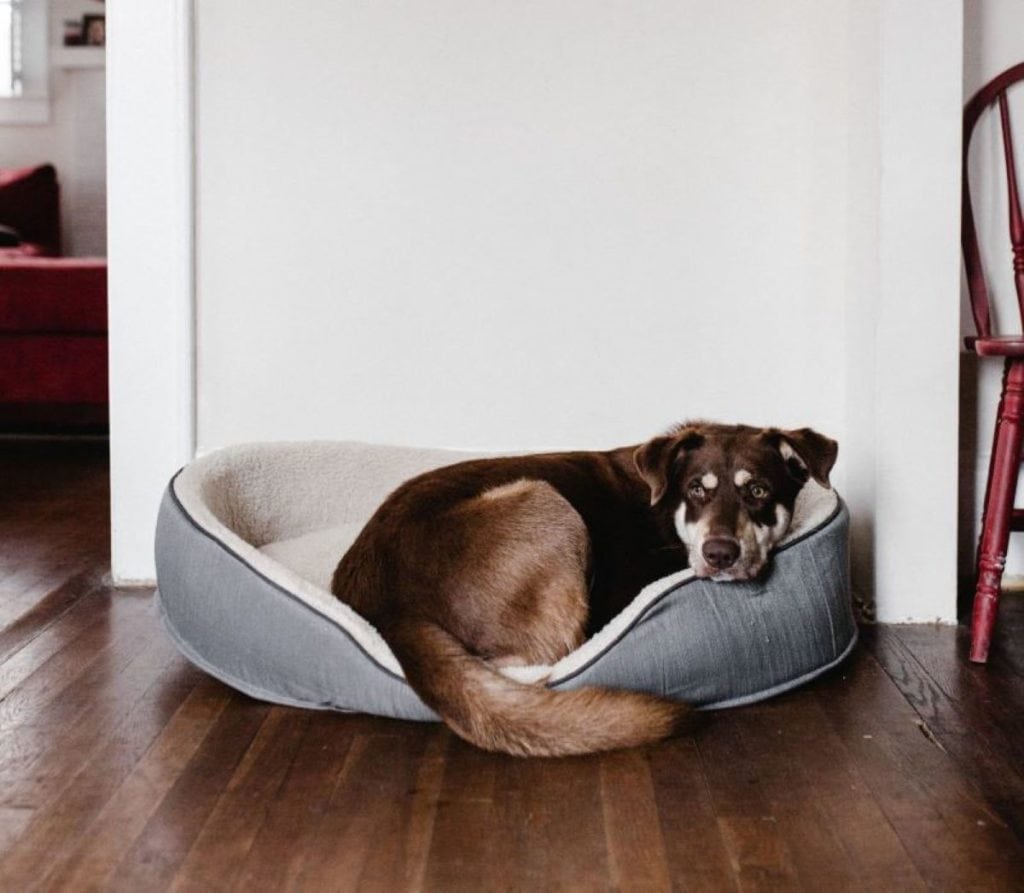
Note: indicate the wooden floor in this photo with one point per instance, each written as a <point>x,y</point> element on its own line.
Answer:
<point>122,767</point>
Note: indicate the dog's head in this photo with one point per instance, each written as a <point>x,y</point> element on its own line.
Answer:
<point>730,489</point>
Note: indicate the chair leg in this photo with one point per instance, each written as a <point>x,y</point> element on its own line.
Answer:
<point>998,513</point>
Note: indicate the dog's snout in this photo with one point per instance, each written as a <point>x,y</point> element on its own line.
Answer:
<point>720,552</point>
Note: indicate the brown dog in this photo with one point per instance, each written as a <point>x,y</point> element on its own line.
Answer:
<point>505,561</point>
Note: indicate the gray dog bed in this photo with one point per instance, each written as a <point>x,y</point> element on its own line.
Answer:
<point>248,538</point>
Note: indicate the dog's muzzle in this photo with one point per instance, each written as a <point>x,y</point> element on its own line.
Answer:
<point>728,559</point>
<point>725,555</point>
<point>720,552</point>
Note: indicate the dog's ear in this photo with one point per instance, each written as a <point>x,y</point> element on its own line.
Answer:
<point>654,459</point>
<point>807,453</point>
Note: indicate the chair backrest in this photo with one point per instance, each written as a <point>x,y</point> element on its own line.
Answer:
<point>994,91</point>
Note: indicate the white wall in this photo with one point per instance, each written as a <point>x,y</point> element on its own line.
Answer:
<point>518,224</point>
<point>74,140</point>
<point>993,41</point>
<point>568,224</point>
<point>916,312</point>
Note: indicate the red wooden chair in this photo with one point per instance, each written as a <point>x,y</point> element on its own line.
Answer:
<point>1000,516</point>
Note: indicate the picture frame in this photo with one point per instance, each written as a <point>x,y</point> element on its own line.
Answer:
<point>73,32</point>
<point>94,30</point>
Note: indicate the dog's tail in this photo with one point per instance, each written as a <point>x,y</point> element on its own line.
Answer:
<point>497,713</point>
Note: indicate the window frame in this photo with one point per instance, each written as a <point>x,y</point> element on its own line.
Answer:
<point>30,104</point>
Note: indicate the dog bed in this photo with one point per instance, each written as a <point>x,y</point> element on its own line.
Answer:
<point>248,537</point>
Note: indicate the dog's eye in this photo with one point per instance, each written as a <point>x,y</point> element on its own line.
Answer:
<point>696,490</point>
<point>758,491</point>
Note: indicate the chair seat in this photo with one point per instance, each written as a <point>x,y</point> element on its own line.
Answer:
<point>997,346</point>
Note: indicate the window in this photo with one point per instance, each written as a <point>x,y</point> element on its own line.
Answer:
<point>24,64</point>
<point>10,48</point>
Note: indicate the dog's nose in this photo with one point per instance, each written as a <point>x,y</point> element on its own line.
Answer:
<point>720,552</point>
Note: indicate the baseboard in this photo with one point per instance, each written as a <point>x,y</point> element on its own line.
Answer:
<point>1013,583</point>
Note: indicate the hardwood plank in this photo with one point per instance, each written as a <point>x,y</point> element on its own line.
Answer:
<point>823,774</point>
<point>760,857</point>
<point>467,799</point>
<point>59,654</point>
<point>53,694</point>
<point>54,512</point>
<point>557,810</point>
<point>151,861</point>
<point>38,762</point>
<point>47,609</point>
<point>957,704</point>
<point>158,852</point>
<point>23,662</point>
<point>695,853</point>
<point>929,665</point>
<point>49,741</point>
<point>37,575</point>
<point>219,851</point>
<point>362,839</point>
<point>423,809</point>
<point>288,832</point>
<point>637,859</point>
<point>13,822</point>
<point>49,689</point>
<point>943,824</point>
<point>43,547</point>
<point>72,803</point>
<point>797,797</point>
<point>758,854</point>
<point>537,824</point>
<point>74,773</point>
<point>123,817</point>
<point>404,837</point>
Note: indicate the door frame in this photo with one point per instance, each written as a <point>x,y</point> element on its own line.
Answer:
<point>151,249</point>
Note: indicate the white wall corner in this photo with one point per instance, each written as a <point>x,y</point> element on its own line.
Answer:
<point>863,189</point>
<point>150,158</point>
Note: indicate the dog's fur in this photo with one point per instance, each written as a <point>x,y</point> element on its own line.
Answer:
<point>504,561</point>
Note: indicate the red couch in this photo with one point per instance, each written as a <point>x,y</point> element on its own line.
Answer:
<point>53,316</point>
<point>30,205</point>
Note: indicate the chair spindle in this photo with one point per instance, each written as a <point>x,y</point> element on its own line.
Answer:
<point>1016,218</point>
